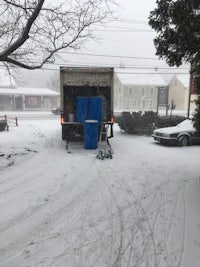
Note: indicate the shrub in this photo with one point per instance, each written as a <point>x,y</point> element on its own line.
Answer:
<point>168,121</point>
<point>125,122</point>
<point>144,123</point>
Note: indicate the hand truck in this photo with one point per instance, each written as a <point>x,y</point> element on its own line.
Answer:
<point>105,150</point>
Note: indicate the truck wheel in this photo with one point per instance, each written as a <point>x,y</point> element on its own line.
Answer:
<point>183,141</point>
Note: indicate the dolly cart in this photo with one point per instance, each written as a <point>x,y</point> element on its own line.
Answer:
<point>105,150</point>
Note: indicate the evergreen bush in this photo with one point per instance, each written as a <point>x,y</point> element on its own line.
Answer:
<point>144,123</point>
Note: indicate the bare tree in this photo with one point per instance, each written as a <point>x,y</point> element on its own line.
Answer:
<point>33,31</point>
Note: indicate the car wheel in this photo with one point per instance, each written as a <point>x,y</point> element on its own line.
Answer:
<point>183,141</point>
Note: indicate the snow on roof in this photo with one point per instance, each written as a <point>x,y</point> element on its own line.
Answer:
<point>184,79</point>
<point>28,91</point>
<point>131,77</point>
<point>6,80</point>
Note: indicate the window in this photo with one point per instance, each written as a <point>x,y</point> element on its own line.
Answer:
<point>120,102</point>
<point>150,104</point>
<point>152,91</point>
<point>130,91</point>
<point>134,103</point>
<point>142,91</point>
<point>127,103</point>
<point>32,101</point>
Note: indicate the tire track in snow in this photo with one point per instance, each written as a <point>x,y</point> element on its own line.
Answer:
<point>122,250</point>
<point>41,209</point>
<point>184,228</point>
<point>117,261</point>
<point>147,238</point>
<point>84,222</point>
<point>100,238</point>
<point>138,222</point>
<point>81,236</point>
<point>158,195</point>
<point>176,257</point>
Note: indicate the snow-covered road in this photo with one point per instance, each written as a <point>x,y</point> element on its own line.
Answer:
<point>57,209</point>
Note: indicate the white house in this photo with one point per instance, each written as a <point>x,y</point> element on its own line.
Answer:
<point>18,98</point>
<point>136,91</point>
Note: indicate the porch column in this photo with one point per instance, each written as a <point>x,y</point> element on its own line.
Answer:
<point>23,102</point>
<point>42,102</point>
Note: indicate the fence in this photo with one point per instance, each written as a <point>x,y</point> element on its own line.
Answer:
<point>6,121</point>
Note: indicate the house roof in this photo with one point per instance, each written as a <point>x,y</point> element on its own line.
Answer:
<point>28,91</point>
<point>184,79</point>
<point>131,77</point>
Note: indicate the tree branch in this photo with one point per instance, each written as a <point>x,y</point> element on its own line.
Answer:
<point>31,32</point>
<point>25,34</point>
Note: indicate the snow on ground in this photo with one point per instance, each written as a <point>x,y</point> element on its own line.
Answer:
<point>139,209</point>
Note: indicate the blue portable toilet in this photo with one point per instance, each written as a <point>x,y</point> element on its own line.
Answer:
<point>91,134</point>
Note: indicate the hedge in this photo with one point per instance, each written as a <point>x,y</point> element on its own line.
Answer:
<point>144,123</point>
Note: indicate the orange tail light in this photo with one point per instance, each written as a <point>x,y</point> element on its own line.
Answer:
<point>62,120</point>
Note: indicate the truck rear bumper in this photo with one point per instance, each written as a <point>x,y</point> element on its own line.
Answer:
<point>72,131</point>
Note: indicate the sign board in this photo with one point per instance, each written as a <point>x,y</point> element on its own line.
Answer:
<point>163,96</point>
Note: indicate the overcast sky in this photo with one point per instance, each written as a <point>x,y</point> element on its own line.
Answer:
<point>126,41</point>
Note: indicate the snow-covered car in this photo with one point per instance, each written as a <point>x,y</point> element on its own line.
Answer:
<point>183,134</point>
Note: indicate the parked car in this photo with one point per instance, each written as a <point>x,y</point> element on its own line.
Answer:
<point>56,110</point>
<point>183,134</point>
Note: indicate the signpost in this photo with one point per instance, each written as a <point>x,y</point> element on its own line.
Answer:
<point>163,93</point>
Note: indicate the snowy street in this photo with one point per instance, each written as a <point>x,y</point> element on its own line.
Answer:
<point>139,209</point>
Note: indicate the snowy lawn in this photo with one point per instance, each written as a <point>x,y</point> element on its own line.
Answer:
<point>139,209</point>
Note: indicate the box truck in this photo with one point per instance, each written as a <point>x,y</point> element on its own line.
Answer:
<point>86,97</point>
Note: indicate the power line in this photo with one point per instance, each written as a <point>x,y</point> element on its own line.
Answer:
<point>129,21</point>
<point>105,55</point>
<point>139,67</point>
<point>122,29</point>
<point>145,73</point>
<point>125,31</point>
<point>100,55</point>
<point>136,67</point>
<point>117,67</point>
